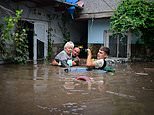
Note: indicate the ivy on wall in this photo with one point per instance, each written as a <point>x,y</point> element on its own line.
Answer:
<point>13,40</point>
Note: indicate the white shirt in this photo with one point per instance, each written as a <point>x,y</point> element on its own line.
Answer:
<point>99,63</point>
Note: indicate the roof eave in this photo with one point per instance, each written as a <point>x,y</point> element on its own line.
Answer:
<point>98,15</point>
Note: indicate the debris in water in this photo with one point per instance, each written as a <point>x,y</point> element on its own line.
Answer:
<point>152,69</point>
<point>84,78</point>
<point>120,94</point>
<point>142,73</point>
<point>147,89</point>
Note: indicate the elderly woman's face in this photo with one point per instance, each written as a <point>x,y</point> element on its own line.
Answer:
<point>69,50</point>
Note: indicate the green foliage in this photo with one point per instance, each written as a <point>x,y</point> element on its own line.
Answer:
<point>21,46</point>
<point>135,16</point>
<point>10,24</point>
<point>13,41</point>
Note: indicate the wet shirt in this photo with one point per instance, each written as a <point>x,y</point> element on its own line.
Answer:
<point>62,56</point>
<point>100,64</point>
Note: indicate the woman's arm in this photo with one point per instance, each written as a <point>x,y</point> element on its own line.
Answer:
<point>54,62</point>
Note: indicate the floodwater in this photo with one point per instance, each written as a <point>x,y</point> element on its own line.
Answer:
<point>43,89</point>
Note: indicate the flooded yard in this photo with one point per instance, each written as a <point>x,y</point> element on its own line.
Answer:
<point>43,89</point>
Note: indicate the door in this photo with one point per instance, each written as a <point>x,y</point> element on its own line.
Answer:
<point>40,41</point>
<point>119,46</point>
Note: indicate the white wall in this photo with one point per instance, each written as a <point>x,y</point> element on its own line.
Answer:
<point>96,30</point>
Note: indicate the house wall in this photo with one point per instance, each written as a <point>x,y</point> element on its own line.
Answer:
<point>54,20</point>
<point>96,37</point>
<point>48,15</point>
<point>96,30</point>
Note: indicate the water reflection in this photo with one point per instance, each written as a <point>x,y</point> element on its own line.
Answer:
<point>83,87</point>
<point>40,73</point>
<point>69,85</point>
<point>66,109</point>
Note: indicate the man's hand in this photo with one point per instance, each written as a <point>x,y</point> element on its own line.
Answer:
<point>89,51</point>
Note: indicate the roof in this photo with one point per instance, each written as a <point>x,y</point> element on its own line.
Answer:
<point>57,4</point>
<point>98,9</point>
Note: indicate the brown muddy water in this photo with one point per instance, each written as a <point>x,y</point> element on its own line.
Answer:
<point>43,89</point>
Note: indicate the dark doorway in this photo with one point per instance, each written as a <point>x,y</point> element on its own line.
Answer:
<point>84,40</point>
<point>30,34</point>
<point>40,50</point>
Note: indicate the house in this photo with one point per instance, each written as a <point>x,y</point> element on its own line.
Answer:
<point>97,13</point>
<point>49,23</point>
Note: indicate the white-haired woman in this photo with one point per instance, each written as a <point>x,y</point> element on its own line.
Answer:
<point>65,55</point>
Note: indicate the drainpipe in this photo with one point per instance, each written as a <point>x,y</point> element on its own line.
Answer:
<point>91,25</point>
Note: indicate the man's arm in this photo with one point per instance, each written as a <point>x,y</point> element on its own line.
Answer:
<point>90,62</point>
<point>76,61</point>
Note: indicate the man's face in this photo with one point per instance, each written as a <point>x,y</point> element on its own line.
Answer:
<point>76,51</point>
<point>101,55</point>
<point>68,50</point>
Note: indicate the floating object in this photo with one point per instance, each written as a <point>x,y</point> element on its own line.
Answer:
<point>151,69</point>
<point>147,89</point>
<point>83,78</point>
<point>82,70</point>
<point>75,69</point>
<point>109,69</point>
<point>142,73</point>
<point>121,94</point>
<point>99,71</point>
<point>78,69</point>
<point>66,70</point>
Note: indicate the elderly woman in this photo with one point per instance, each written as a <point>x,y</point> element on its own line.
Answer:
<point>64,58</point>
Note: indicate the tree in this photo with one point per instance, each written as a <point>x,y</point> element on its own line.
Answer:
<point>135,16</point>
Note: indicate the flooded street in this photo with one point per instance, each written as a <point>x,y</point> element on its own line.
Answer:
<point>43,89</point>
